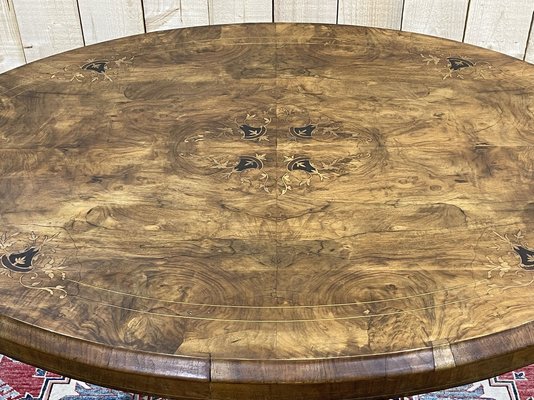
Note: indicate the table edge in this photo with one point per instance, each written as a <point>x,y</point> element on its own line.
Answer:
<point>476,358</point>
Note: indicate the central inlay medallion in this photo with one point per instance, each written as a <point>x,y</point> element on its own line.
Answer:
<point>277,151</point>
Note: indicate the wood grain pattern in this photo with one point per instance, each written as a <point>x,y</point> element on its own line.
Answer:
<point>105,20</point>
<point>442,18</point>
<point>169,14</point>
<point>236,11</point>
<point>269,211</point>
<point>11,54</point>
<point>374,13</point>
<point>48,27</point>
<point>324,11</point>
<point>500,26</point>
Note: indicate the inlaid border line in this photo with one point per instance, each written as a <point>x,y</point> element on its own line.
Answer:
<point>278,321</point>
<point>356,303</point>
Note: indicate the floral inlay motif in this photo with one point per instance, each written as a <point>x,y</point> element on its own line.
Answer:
<point>518,259</point>
<point>94,70</point>
<point>459,67</point>
<point>31,260</point>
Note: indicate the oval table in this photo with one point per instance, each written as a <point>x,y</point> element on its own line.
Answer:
<point>269,211</point>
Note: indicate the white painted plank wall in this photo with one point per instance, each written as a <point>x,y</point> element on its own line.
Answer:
<point>48,26</point>
<point>11,54</point>
<point>500,25</point>
<point>324,11</point>
<point>376,13</point>
<point>171,14</point>
<point>110,19</point>
<point>234,11</point>
<point>529,55</point>
<point>443,18</point>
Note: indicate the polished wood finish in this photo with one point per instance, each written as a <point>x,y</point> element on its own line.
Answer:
<point>269,211</point>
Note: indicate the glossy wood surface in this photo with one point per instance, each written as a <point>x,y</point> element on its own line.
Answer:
<point>272,211</point>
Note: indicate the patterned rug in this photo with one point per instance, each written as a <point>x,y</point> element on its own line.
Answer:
<point>22,381</point>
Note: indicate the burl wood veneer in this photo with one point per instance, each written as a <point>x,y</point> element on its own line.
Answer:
<point>269,212</point>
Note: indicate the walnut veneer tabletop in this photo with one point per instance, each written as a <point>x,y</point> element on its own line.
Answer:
<point>269,212</point>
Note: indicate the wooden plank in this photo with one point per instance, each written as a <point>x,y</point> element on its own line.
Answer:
<point>105,20</point>
<point>443,18</point>
<point>48,26</point>
<point>11,53</point>
<point>529,54</point>
<point>234,11</point>
<point>170,14</point>
<point>324,11</point>
<point>501,26</point>
<point>376,13</point>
